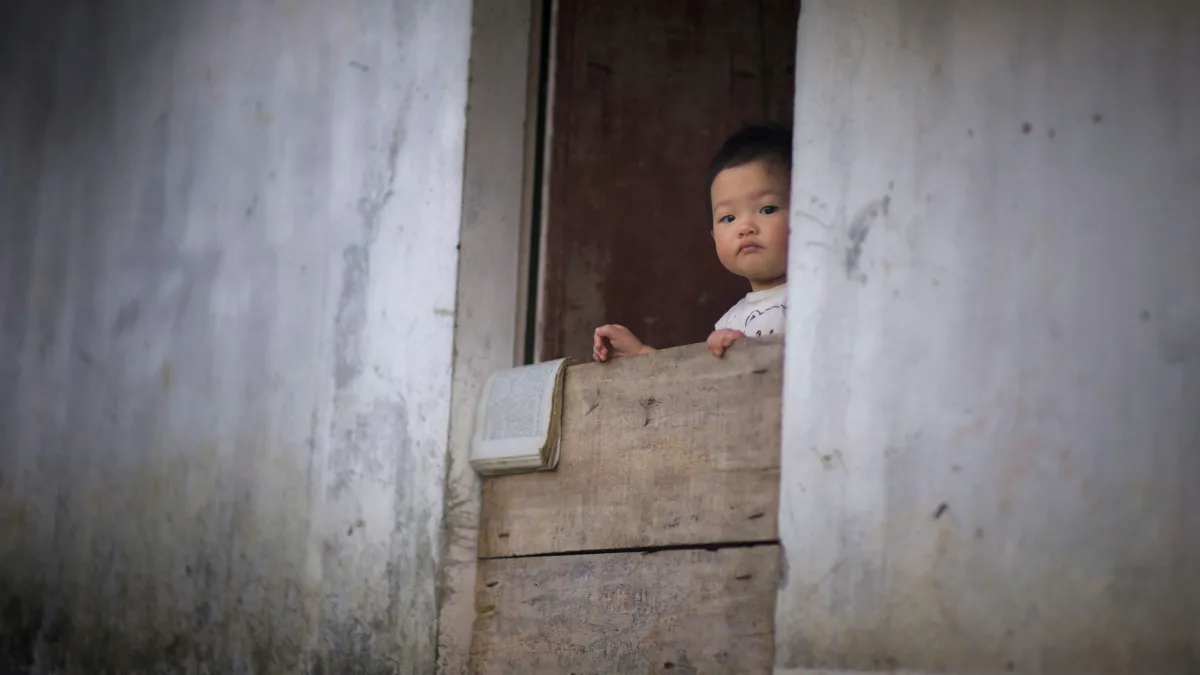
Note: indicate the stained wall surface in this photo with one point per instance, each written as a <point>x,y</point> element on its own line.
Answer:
<point>228,238</point>
<point>991,440</point>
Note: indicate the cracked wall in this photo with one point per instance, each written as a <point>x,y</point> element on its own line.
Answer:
<point>228,239</point>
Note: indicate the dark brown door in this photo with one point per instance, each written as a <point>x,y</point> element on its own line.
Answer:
<point>644,92</point>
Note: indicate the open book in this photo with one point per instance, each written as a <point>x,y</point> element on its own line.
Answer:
<point>518,418</point>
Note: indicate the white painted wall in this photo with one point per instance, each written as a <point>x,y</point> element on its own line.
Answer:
<point>228,238</point>
<point>992,438</point>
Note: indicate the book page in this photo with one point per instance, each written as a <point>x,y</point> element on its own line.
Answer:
<point>514,415</point>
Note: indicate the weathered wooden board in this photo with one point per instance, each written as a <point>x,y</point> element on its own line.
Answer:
<point>681,611</point>
<point>677,447</point>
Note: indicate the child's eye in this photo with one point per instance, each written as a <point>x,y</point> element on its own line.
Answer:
<point>726,219</point>
<point>768,210</point>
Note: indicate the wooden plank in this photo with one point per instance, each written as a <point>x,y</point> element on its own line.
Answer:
<point>681,611</point>
<point>677,447</point>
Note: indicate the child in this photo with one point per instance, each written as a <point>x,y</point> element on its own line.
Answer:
<point>749,183</point>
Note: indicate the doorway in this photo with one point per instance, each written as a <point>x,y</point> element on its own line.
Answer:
<point>559,170</point>
<point>639,97</point>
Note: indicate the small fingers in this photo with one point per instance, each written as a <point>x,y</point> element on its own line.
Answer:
<point>728,339</point>
<point>608,330</point>
<point>599,348</point>
<point>720,340</point>
<point>714,343</point>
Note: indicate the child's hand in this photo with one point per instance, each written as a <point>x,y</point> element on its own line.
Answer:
<point>612,341</point>
<point>720,340</point>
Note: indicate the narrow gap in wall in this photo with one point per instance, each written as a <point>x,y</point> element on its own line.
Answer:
<point>539,167</point>
<point>642,549</point>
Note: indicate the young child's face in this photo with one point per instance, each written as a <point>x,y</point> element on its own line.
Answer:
<point>750,222</point>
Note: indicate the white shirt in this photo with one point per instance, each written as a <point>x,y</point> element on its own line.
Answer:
<point>759,314</point>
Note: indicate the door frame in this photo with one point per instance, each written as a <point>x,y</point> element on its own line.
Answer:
<point>507,133</point>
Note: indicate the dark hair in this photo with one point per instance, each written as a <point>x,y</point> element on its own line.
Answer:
<point>753,143</point>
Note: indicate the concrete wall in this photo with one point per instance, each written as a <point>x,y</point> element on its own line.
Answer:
<point>992,441</point>
<point>228,238</point>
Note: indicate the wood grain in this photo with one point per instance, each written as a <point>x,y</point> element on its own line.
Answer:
<point>690,611</point>
<point>676,447</point>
